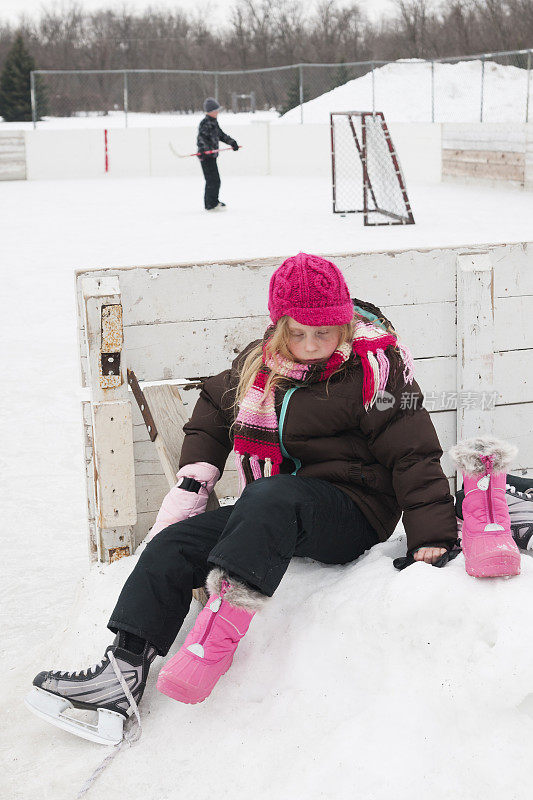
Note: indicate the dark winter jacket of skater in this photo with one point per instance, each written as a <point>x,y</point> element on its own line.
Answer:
<point>209,135</point>
<point>386,459</point>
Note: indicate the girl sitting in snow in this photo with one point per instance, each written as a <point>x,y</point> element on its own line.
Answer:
<point>328,461</point>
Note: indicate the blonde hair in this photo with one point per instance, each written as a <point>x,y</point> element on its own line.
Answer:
<point>279,343</point>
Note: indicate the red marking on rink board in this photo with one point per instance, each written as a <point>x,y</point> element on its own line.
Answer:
<point>106,153</point>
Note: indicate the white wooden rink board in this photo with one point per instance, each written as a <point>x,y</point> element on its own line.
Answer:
<point>484,136</point>
<point>184,321</point>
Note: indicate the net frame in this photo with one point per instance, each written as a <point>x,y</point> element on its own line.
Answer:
<point>373,212</point>
<point>236,97</point>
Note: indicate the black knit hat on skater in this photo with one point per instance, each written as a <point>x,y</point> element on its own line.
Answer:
<point>210,104</point>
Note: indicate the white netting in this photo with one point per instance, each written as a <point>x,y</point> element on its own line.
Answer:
<point>383,171</point>
<point>347,169</point>
<point>362,139</point>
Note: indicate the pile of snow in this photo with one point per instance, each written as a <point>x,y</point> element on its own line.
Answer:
<point>402,90</point>
<point>357,676</point>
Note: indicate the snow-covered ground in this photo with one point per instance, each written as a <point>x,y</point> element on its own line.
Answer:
<point>116,119</point>
<point>355,680</point>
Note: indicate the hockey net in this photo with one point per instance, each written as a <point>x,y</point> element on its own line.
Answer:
<point>366,172</point>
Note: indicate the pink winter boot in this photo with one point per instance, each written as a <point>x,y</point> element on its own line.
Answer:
<point>208,650</point>
<point>487,542</point>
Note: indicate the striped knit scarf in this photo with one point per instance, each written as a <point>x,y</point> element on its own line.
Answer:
<point>256,444</point>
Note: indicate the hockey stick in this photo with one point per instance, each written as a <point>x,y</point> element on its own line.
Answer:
<point>200,153</point>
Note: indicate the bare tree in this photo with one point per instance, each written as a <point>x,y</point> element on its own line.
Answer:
<point>259,33</point>
<point>414,31</point>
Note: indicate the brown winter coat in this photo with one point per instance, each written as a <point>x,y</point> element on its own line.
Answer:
<point>387,461</point>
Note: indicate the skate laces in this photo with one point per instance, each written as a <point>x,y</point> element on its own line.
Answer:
<point>130,736</point>
<point>82,673</point>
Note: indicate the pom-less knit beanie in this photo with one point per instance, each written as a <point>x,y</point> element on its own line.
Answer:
<point>210,104</point>
<point>311,290</point>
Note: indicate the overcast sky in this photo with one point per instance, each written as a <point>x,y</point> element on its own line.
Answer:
<point>218,9</point>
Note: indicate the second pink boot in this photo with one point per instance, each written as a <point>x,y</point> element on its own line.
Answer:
<point>208,650</point>
<point>488,546</point>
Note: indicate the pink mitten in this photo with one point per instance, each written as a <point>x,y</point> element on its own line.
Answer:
<point>181,504</point>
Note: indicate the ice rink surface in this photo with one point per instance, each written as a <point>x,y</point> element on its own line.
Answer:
<point>434,699</point>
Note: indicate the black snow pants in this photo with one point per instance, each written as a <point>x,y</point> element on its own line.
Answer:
<point>212,181</point>
<point>253,540</point>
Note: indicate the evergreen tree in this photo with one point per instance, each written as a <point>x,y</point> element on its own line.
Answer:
<point>341,76</point>
<point>292,98</point>
<point>15,98</point>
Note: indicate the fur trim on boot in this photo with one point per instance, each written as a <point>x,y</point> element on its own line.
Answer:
<point>239,594</point>
<point>467,452</point>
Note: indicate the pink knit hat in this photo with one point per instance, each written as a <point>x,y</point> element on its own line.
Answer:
<point>311,290</point>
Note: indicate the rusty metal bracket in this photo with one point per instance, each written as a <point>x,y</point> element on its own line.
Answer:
<point>115,553</point>
<point>111,345</point>
<point>143,405</point>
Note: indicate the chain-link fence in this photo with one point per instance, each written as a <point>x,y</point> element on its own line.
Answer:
<point>490,87</point>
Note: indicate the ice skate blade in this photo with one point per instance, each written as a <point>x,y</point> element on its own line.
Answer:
<point>51,707</point>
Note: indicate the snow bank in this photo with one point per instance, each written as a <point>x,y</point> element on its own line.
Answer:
<point>403,93</point>
<point>353,677</point>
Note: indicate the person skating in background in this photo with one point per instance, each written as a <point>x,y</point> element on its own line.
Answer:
<point>209,135</point>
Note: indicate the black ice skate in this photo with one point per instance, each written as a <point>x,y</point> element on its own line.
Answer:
<point>519,496</point>
<point>98,688</point>
<point>520,504</point>
<point>220,206</point>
